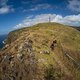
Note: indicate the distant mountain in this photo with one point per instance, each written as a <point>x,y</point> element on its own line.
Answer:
<point>46,51</point>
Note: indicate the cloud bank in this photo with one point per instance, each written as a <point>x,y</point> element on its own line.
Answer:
<point>4,8</point>
<point>72,20</point>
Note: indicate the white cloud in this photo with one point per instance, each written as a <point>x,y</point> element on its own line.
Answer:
<point>41,6</point>
<point>74,5</point>
<point>4,7</point>
<point>73,20</point>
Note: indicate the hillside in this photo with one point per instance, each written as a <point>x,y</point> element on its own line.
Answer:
<point>46,51</point>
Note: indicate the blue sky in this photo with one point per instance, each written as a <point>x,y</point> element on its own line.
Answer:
<point>16,14</point>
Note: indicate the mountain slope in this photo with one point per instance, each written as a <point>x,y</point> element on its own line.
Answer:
<point>48,51</point>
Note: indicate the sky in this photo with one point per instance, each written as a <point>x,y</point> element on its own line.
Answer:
<point>15,14</point>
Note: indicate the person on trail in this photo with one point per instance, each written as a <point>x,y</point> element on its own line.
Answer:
<point>53,45</point>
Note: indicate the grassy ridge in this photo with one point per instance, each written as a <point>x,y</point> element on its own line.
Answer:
<point>64,55</point>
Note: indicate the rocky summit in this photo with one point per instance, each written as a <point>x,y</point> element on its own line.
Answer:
<point>46,51</point>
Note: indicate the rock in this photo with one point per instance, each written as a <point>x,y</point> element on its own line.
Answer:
<point>20,48</point>
<point>20,56</point>
<point>12,64</point>
<point>12,78</point>
<point>5,47</point>
<point>7,57</point>
<point>41,52</point>
<point>45,52</point>
<point>41,60</point>
<point>26,46</point>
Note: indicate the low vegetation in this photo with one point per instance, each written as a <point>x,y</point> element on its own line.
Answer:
<point>46,51</point>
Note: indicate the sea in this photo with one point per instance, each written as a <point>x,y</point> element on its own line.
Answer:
<point>2,38</point>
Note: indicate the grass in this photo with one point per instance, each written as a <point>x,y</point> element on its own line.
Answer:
<point>43,35</point>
